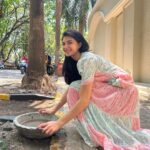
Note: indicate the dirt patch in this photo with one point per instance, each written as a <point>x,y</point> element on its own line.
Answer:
<point>14,141</point>
<point>9,135</point>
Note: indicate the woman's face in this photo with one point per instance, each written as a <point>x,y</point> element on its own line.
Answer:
<point>70,46</point>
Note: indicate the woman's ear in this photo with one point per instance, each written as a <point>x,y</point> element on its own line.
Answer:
<point>80,44</point>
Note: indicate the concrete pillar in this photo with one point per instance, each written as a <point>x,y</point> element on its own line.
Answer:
<point>128,38</point>
<point>98,41</point>
<point>145,57</point>
<point>119,40</point>
<point>110,44</point>
<point>137,47</point>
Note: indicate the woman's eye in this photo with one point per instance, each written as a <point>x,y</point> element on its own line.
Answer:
<point>69,42</point>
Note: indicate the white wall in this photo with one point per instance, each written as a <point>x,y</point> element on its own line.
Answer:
<point>99,39</point>
<point>145,57</point>
<point>122,35</point>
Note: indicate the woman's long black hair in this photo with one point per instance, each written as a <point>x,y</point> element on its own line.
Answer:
<point>70,71</point>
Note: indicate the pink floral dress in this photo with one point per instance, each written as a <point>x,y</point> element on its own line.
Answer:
<point>111,120</point>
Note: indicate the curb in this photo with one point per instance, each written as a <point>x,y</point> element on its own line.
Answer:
<point>144,91</point>
<point>5,118</point>
<point>19,97</point>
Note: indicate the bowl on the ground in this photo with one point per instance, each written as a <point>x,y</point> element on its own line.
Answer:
<point>27,124</point>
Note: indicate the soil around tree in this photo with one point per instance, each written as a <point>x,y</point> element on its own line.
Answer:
<point>12,140</point>
<point>42,84</point>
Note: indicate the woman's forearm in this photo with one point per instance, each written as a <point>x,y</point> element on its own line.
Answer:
<point>81,104</point>
<point>76,110</point>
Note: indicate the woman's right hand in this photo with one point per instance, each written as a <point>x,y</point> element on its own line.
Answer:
<point>51,110</point>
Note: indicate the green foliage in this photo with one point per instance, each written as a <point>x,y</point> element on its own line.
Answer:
<point>15,16</point>
<point>2,145</point>
<point>49,24</point>
<point>73,11</point>
<point>13,10</point>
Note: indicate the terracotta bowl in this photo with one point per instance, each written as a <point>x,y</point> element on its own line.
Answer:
<point>27,124</point>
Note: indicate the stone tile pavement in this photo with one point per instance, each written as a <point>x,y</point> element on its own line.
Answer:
<point>69,138</point>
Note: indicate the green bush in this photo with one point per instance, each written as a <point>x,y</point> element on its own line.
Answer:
<point>2,145</point>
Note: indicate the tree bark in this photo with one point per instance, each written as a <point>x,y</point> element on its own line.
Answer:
<point>83,17</point>
<point>36,77</point>
<point>82,23</point>
<point>58,19</point>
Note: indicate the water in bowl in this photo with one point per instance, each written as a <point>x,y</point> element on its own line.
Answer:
<point>34,123</point>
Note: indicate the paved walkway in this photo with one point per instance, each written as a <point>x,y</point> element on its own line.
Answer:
<point>69,139</point>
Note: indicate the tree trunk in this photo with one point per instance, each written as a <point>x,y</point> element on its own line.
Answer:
<point>82,22</point>
<point>83,17</point>
<point>36,77</point>
<point>58,19</point>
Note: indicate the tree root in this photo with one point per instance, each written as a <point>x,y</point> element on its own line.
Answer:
<point>42,84</point>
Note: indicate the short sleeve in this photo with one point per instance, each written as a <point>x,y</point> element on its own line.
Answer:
<point>87,69</point>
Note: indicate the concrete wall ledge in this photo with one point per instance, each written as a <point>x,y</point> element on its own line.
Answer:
<point>144,91</point>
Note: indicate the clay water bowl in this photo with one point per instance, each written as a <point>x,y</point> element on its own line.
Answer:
<point>27,124</point>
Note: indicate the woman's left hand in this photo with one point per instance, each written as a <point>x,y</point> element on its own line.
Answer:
<point>49,127</point>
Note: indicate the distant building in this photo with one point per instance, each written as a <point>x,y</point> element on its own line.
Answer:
<point>119,30</point>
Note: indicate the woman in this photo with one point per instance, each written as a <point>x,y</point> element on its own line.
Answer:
<point>102,99</point>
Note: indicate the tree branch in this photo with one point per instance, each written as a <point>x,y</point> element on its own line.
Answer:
<point>11,49</point>
<point>16,25</point>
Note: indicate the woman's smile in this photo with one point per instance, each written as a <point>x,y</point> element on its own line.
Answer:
<point>70,46</point>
